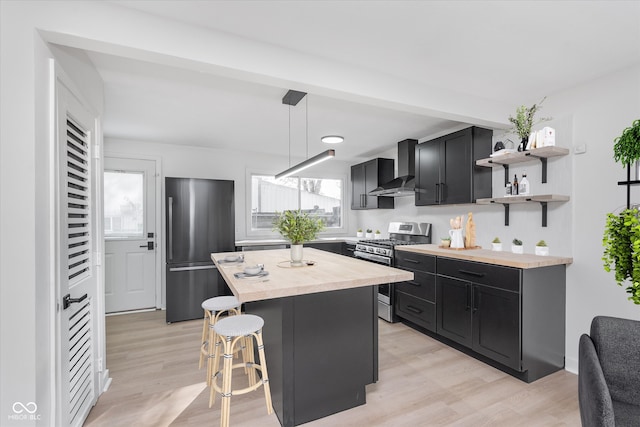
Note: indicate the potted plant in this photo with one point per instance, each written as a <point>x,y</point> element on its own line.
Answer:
<point>626,148</point>
<point>621,243</point>
<point>516,246</point>
<point>496,244</point>
<point>359,233</point>
<point>445,242</point>
<point>297,227</point>
<point>524,121</point>
<point>542,248</point>
<point>378,235</point>
<point>369,234</point>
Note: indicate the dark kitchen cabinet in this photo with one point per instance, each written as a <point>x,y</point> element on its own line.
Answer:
<point>478,307</point>
<point>334,247</point>
<point>415,300</point>
<point>446,171</point>
<point>513,318</point>
<point>368,176</point>
<point>454,310</point>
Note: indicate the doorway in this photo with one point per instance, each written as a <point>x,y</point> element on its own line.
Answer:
<point>131,221</point>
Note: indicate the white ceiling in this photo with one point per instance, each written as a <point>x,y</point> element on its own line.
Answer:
<point>511,52</point>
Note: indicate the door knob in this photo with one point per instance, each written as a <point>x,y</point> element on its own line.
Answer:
<point>149,246</point>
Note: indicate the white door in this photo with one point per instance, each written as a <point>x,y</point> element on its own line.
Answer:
<point>77,273</point>
<point>130,234</point>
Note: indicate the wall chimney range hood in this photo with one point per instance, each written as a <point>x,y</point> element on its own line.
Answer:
<point>404,184</point>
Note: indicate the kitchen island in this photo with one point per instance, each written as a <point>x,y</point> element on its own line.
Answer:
<point>321,327</point>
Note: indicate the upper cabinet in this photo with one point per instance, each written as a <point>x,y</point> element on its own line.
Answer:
<point>446,171</point>
<point>366,177</point>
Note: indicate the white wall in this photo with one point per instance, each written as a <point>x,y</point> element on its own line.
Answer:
<point>26,255</point>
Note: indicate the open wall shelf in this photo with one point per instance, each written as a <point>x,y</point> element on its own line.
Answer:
<point>541,154</point>
<point>543,199</point>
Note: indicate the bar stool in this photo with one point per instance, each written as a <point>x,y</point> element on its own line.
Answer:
<point>213,309</point>
<point>230,331</point>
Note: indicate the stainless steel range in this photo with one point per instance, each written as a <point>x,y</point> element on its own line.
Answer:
<point>382,252</point>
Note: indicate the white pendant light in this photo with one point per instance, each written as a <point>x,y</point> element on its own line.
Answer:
<point>292,97</point>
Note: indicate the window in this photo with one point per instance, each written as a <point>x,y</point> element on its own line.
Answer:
<point>123,204</point>
<point>320,197</point>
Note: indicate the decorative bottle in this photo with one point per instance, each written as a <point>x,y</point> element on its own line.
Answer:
<point>514,187</point>
<point>524,185</point>
<point>507,189</point>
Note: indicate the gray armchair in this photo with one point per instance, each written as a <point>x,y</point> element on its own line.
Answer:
<point>609,373</point>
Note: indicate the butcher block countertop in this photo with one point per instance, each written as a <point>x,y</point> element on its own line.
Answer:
<point>504,258</point>
<point>330,272</point>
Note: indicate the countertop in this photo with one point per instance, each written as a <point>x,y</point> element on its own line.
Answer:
<point>505,258</point>
<point>330,272</point>
<point>259,242</point>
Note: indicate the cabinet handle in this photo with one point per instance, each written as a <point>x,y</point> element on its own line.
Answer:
<point>437,193</point>
<point>414,309</point>
<point>471,273</point>
<point>363,201</point>
<point>411,282</point>
<point>412,261</point>
<point>468,302</point>
<point>441,197</point>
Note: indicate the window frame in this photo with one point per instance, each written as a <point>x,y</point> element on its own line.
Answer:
<point>257,233</point>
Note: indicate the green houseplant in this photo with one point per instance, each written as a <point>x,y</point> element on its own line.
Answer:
<point>542,248</point>
<point>516,246</point>
<point>496,244</point>
<point>445,242</point>
<point>297,227</point>
<point>626,148</point>
<point>524,121</point>
<point>621,243</point>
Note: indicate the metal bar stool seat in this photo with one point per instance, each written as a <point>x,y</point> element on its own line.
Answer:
<point>229,331</point>
<point>213,309</point>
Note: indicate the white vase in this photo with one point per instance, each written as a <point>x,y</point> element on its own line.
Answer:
<point>517,249</point>
<point>377,236</point>
<point>369,235</point>
<point>296,255</point>
<point>542,250</point>
<point>359,234</point>
<point>496,247</point>
<point>457,242</point>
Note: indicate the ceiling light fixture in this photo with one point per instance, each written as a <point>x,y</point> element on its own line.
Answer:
<point>292,97</point>
<point>332,139</point>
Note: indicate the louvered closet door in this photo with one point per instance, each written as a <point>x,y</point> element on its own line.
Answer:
<point>77,275</point>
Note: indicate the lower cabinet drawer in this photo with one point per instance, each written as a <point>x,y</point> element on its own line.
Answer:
<point>416,310</point>
<point>422,286</point>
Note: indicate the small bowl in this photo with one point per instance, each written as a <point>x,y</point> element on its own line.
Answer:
<point>231,258</point>
<point>252,270</point>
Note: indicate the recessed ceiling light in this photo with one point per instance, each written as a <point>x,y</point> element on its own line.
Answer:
<point>332,139</point>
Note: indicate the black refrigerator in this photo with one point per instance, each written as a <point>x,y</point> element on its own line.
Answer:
<point>199,220</point>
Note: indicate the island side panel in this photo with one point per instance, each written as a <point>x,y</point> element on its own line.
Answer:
<point>335,351</point>
<point>543,321</point>
<point>323,348</point>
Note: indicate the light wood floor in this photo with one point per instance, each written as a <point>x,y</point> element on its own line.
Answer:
<point>156,382</point>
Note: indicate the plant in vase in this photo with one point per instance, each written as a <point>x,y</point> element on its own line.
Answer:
<point>524,121</point>
<point>621,243</point>
<point>369,234</point>
<point>378,235</point>
<point>359,233</point>
<point>496,245</point>
<point>542,248</point>
<point>516,246</point>
<point>445,242</point>
<point>297,227</point>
